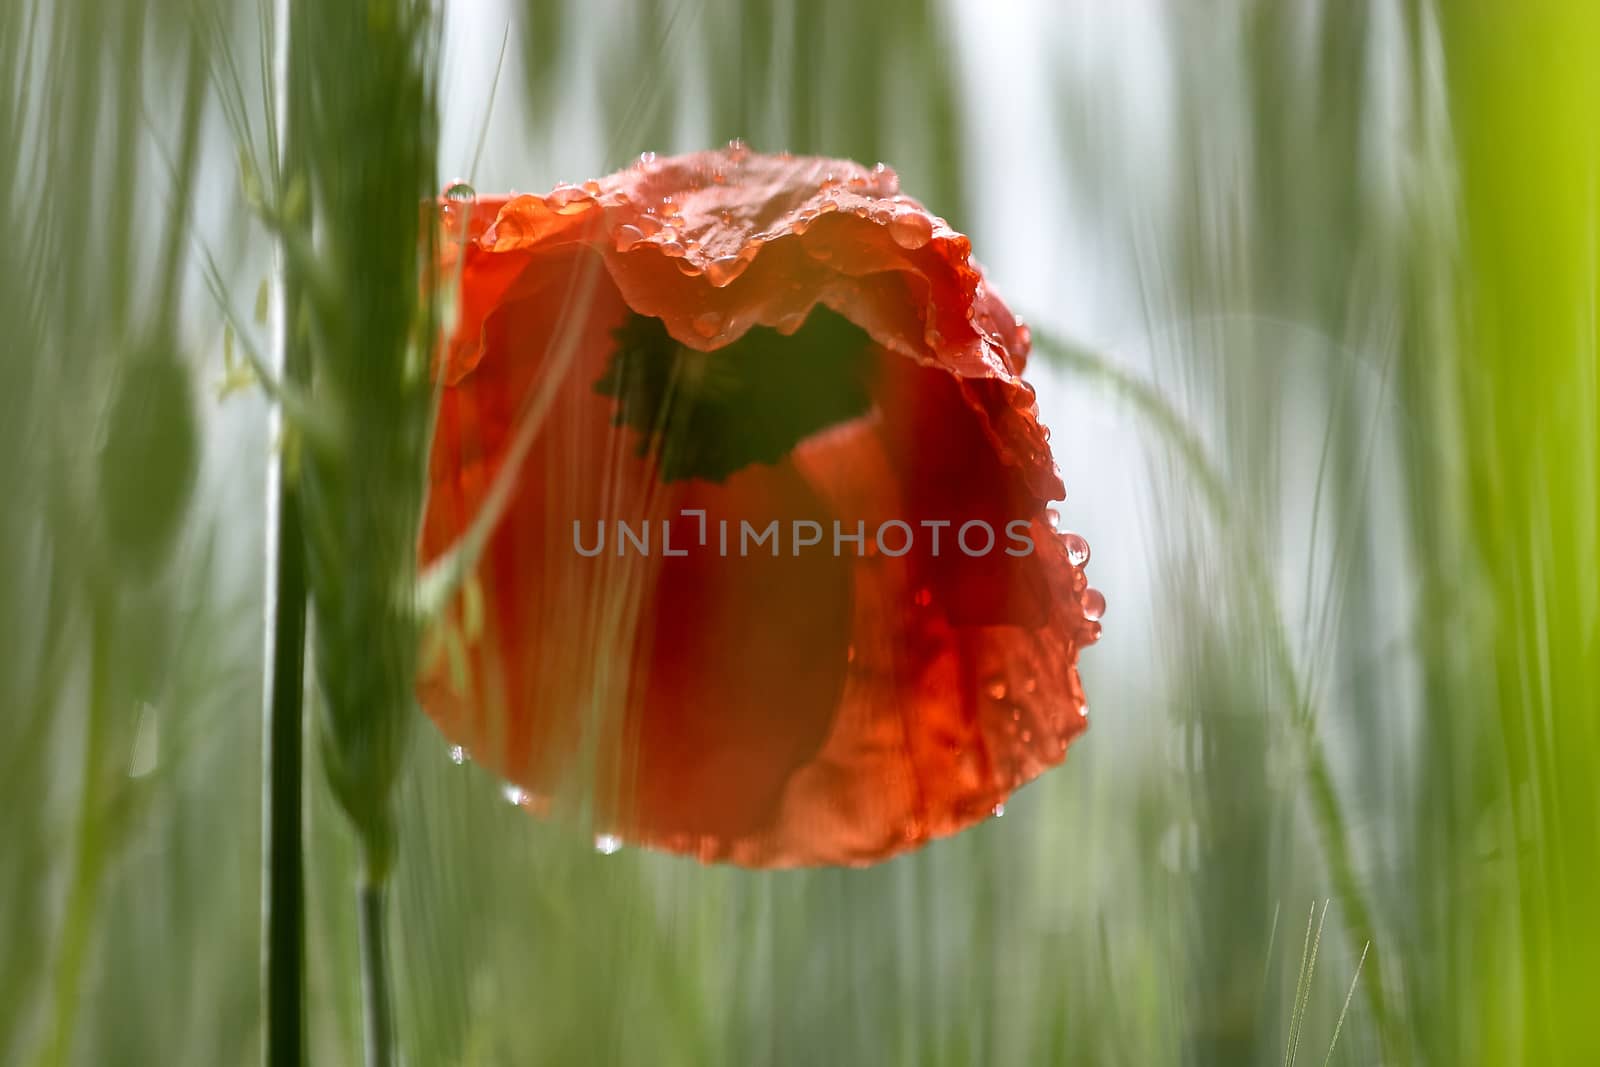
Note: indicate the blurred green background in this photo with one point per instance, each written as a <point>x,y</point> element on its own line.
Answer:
<point>1329,417</point>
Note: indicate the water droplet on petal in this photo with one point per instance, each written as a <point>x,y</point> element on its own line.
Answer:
<point>460,192</point>
<point>1077,551</point>
<point>1094,604</point>
<point>1053,517</point>
<point>607,844</point>
<point>790,323</point>
<point>998,811</point>
<point>910,228</point>
<point>515,795</point>
<point>721,272</point>
<point>708,324</point>
<point>996,688</point>
<point>924,597</point>
<point>569,200</point>
<point>628,236</point>
<point>458,755</point>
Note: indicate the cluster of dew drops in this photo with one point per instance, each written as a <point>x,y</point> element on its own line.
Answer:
<point>873,195</point>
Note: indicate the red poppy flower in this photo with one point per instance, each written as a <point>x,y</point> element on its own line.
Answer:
<point>700,351</point>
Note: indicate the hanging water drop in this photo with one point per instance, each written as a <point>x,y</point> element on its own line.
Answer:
<point>1094,604</point>
<point>1077,550</point>
<point>910,228</point>
<point>708,324</point>
<point>607,844</point>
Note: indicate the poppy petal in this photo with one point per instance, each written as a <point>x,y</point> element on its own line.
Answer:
<point>768,707</point>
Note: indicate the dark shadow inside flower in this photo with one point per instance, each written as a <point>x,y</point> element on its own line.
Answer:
<point>709,414</point>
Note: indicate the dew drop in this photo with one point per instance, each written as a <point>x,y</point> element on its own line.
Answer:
<point>1094,604</point>
<point>850,654</point>
<point>628,236</point>
<point>910,228</point>
<point>1053,517</point>
<point>646,159</point>
<point>607,844</point>
<point>460,192</point>
<point>689,268</point>
<point>924,597</point>
<point>1027,736</point>
<point>737,149</point>
<point>721,272</point>
<point>998,811</point>
<point>670,246</point>
<point>788,325</point>
<point>996,688</point>
<point>1077,552</point>
<point>458,755</point>
<point>1083,711</point>
<point>708,324</point>
<point>569,200</point>
<point>515,795</point>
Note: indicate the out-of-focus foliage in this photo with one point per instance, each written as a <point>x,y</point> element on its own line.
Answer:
<point>1340,470</point>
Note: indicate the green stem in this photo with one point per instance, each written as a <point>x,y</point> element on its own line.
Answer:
<point>376,999</point>
<point>88,854</point>
<point>1360,928</point>
<point>283,859</point>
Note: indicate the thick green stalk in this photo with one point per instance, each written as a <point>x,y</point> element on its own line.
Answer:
<point>283,859</point>
<point>377,999</point>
